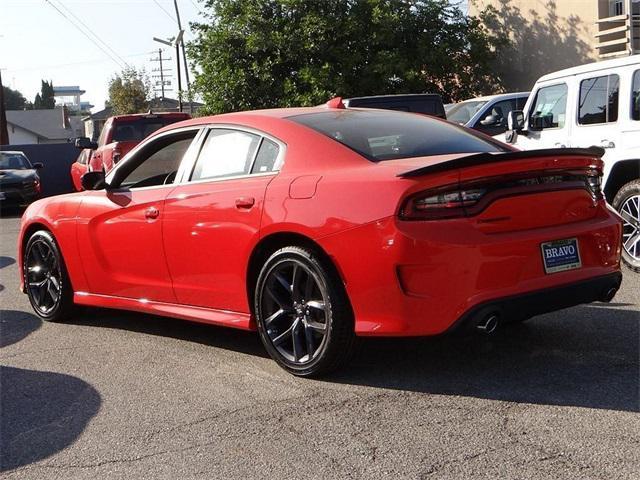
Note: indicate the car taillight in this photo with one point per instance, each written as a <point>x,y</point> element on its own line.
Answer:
<point>472,197</point>
<point>37,186</point>
<point>441,204</point>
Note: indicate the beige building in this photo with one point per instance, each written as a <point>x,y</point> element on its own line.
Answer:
<point>550,35</point>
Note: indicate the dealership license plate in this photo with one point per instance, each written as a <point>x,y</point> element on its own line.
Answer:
<point>560,255</point>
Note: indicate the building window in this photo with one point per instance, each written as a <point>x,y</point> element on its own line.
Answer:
<point>599,100</point>
<point>616,7</point>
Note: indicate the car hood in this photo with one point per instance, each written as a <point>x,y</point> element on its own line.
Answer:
<point>12,176</point>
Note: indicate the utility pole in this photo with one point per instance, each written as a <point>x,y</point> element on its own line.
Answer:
<point>171,43</point>
<point>4,132</point>
<point>184,57</point>
<point>161,73</point>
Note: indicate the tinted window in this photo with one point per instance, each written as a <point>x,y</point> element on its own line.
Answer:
<point>138,129</point>
<point>388,135</point>
<point>158,163</point>
<point>598,100</point>
<point>226,153</point>
<point>462,112</point>
<point>521,102</point>
<point>266,158</point>
<point>499,110</point>
<point>635,96</point>
<point>550,107</point>
<point>13,161</point>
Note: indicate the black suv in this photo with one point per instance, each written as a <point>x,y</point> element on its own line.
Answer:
<point>427,103</point>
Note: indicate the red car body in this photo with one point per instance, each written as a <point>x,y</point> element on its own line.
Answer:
<point>119,135</point>
<point>189,249</point>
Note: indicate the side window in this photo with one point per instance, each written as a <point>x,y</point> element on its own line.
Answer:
<point>599,100</point>
<point>158,162</point>
<point>635,96</point>
<point>103,133</point>
<point>521,102</point>
<point>549,108</point>
<point>226,153</point>
<point>267,157</point>
<point>499,110</point>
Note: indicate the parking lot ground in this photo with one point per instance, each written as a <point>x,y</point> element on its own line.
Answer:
<point>120,395</point>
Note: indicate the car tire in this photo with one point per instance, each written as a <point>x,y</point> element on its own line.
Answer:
<point>46,280</point>
<point>302,312</point>
<point>627,203</point>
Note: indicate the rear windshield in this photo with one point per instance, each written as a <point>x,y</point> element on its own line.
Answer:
<point>139,129</point>
<point>388,135</point>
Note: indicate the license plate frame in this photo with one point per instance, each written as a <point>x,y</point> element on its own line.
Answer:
<point>561,255</point>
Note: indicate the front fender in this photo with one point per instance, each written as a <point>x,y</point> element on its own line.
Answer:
<point>59,215</point>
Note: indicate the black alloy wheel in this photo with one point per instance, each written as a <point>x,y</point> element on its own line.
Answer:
<point>304,319</point>
<point>45,278</point>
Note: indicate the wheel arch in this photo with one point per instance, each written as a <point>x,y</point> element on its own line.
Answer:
<point>273,242</point>
<point>623,172</point>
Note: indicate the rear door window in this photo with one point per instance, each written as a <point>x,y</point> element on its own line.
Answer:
<point>226,153</point>
<point>599,100</point>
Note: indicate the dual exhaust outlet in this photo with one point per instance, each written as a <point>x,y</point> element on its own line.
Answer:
<point>487,322</point>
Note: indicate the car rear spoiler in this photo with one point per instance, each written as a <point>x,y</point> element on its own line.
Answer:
<point>480,158</point>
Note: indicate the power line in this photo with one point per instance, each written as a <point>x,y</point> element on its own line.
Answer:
<point>92,32</point>
<point>116,61</point>
<point>165,11</point>
<point>85,62</point>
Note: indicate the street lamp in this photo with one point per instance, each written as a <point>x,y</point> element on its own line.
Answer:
<point>175,43</point>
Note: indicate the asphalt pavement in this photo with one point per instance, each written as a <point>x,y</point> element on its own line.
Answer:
<point>128,396</point>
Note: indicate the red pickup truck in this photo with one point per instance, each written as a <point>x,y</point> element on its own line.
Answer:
<point>119,135</point>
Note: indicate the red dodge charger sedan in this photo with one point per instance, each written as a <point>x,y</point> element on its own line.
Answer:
<point>317,225</point>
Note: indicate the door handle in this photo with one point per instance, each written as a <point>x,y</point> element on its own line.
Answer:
<point>151,213</point>
<point>245,202</point>
<point>607,144</point>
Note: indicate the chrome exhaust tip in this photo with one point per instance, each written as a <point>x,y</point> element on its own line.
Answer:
<point>488,324</point>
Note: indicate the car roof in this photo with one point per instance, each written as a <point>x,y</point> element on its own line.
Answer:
<point>500,96</point>
<point>592,67</point>
<point>135,116</point>
<point>13,152</point>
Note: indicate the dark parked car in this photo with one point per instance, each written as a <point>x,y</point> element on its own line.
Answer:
<point>427,103</point>
<point>19,181</point>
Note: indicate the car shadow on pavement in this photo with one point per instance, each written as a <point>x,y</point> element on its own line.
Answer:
<point>41,413</point>
<point>16,326</point>
<point>6,261</point>
<point>212,335</point>
<point>585,356</point>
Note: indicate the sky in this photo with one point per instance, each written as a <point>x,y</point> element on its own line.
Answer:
<point>37,42</point>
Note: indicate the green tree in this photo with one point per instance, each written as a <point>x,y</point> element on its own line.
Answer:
<point>45,99</point>
<point>13,99</point>
<point>129,92</point>
<point>266,53</point>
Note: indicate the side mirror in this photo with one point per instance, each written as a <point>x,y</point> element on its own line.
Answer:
<point>38,165</point>
<point>93,180</point>
<point>84,142</point>
<point>490,120</point>
<point>515,120</point>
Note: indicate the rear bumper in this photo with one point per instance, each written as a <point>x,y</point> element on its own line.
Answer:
<point>520,307</point>
<point>412,279</point>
